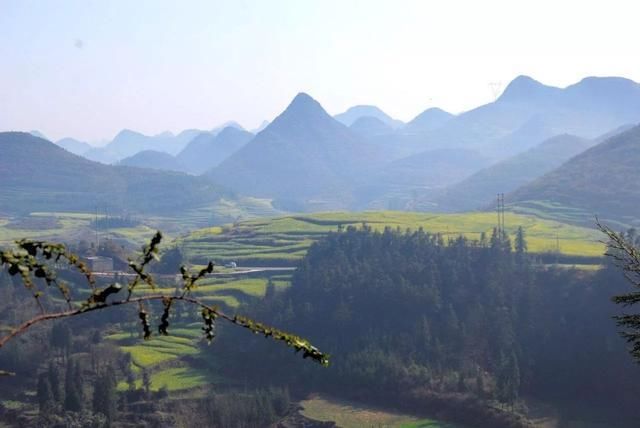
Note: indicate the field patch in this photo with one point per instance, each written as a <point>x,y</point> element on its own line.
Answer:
<point>351,415</point>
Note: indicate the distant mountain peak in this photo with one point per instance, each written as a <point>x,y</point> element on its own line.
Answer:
<point>524,88</point>
<point>430,119</point>
<point>354,113</point>
<point>127,133</point>
<point>304,101</point>
<point>302,106</point>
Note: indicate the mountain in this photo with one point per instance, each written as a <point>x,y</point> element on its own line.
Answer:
<point>354,113</point>
<point>478,190</point>
<point>304,160</point>
<point>74,146</point>
<point>529,112</point>
<point>207,150</point>
<point>154,160</point>
<point>602,180</point>
<point>263,125</point>
<point>409,183</point>
<point>38,134</point>
<point>428,120</point>
<point>37,175</point>
<point>228,124</point>
<point>127,143</point>
<point>369,126</point>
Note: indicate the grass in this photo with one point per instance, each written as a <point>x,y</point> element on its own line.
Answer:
<point>350,415</point>
<point>173,379</point>
<point>158,349</point>
<point>255,287</point>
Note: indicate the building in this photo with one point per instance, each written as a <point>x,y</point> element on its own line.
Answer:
<point>99,263</point>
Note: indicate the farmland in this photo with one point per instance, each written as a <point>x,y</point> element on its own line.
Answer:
<point>351,415</point>
<point>283,241</point>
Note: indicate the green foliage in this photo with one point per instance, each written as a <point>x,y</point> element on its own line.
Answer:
<point>72,396</point>
<point>408,314</point>
<point>624,252</point>
<point>104,395</point>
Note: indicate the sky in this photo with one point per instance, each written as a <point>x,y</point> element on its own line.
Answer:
<point>88,69</point>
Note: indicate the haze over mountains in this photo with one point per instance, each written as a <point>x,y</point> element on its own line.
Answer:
<point>307,160</point>
<point>37,175</point>
<point>208,150</point>
<point>303,159</point>
<point>601,181</point>
<point>481,188</point>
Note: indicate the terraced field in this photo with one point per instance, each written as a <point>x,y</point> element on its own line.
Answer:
<point>283,241</point>
<point>166,357</point>
<point>66,226</point>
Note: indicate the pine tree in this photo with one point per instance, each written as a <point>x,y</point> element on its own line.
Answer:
<point>61,338</point>
<point>54,381</point>
<point>521,243</point>
<point>72,401</point>
<point>79,384</point>
<point>104,395</point>
<point>45,396</point>
<point>508,382</point>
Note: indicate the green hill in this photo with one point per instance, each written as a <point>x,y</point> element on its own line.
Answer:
<point>601,181</point>
<point>37,175</point>
<point>479,190</point>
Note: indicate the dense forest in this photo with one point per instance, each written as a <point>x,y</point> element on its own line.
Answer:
<point>438,326</point>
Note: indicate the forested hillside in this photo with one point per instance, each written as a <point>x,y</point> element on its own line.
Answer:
<point>411,319</point>
<point>601,181</point>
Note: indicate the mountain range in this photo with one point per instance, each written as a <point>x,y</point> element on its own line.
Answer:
<point>37,175</point>
<point>307,160</point>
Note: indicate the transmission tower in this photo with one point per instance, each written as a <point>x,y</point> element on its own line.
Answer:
<point>500,212</point>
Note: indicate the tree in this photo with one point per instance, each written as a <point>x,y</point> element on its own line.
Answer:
<point>61,338</point>
<point>45,396</point>
<point>521,243</point>
<point>53,375</point>
<point>170,259</point>
<point>72,399</point>
<point>146,382</point>
<point>32,261</point>
<point>623,252</point>
<point>104,395</point>
<point>508,384</point>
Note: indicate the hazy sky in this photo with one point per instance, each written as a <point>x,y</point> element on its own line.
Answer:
<point>90,68</point>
